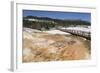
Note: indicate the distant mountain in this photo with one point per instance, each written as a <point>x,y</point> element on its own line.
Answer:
<point>47,23</point>
<point>51,19</point>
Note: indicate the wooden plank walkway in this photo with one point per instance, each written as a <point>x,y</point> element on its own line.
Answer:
<point>80,33</point>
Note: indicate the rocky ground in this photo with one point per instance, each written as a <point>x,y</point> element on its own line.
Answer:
<point>39,46</point>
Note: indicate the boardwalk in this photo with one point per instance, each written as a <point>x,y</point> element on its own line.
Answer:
<point>85,34</point>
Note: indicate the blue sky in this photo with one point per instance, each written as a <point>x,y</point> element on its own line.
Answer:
<point>59,15</point>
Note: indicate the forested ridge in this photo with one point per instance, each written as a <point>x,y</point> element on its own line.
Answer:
<point>47,23</point>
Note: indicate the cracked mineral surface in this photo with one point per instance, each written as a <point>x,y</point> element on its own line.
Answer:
<point>40,46</point>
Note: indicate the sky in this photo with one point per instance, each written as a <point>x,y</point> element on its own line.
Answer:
<point>59,15</point>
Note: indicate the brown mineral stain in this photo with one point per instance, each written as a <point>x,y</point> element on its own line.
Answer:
<point>49,47</point>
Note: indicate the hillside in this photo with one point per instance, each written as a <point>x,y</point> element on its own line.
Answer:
<point>45,23</point>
